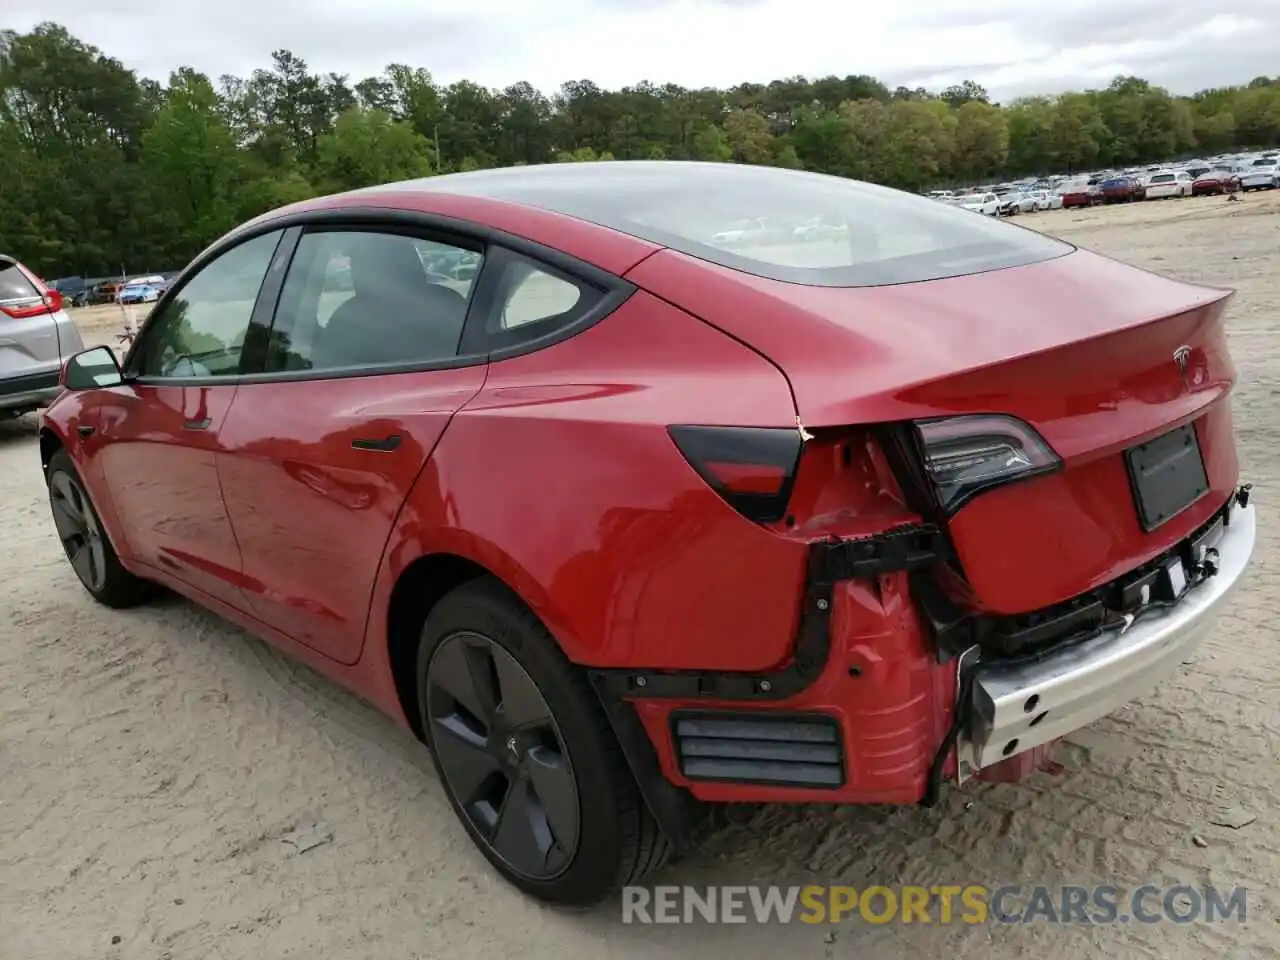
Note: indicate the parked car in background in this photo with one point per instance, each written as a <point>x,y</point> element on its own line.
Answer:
<point>36,336</point>
<point>777,561</point>
<point>1124,189</point>
<point>1260,177</point>
<point>140,292</point>
<point>74,290</point>
<point>1047,200</point>
<point>984,203</point>
<point>1017,202</point>
<point>149,280</point>
<point>1080,193</point>
<point>1216,181</point>
<point>107,291</point>
<point>1169,183</point>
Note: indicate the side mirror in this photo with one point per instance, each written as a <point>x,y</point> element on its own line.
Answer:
<point>91,369</point>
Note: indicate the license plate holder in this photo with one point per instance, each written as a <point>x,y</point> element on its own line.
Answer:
<point>1166,475</point>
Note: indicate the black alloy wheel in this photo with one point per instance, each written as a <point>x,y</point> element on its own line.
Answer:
<point>78,529</point>
<point>502,755</point>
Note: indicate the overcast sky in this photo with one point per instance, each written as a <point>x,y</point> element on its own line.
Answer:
<point>1012,47</point>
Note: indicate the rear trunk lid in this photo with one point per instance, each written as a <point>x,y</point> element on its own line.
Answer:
<point>1080,347</point>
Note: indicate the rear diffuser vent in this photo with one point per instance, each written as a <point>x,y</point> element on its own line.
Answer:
<point>784,749</point>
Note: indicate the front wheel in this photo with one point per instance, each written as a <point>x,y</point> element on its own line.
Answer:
<point>85,541</point>
<point>526,754</point>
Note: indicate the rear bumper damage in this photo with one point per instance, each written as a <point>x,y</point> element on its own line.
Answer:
<point>875,711</point>
<point>1014,707</point>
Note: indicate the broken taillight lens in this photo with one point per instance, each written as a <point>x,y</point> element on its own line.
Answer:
<point>752,468</point>
<point>966,455</point>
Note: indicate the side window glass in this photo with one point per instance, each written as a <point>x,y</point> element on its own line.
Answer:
<point>536,295</point>
<point>201,332</point>
<point>361,298</point>
<point>533,300</point>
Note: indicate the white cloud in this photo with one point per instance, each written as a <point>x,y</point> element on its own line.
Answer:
<point>1010,46</point>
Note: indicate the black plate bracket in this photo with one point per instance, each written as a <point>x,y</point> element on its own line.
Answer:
<point>1166,475</point>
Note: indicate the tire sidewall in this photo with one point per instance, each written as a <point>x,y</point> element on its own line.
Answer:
<point>596,866</point>
<point>120,588</point>
<point>61,462</point>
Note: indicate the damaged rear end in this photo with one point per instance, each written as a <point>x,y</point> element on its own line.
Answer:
<point>1023,451</point>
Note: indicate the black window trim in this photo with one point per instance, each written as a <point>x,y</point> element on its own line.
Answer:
<point>474,346</point>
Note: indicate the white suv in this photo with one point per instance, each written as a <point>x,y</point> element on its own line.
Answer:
<point>36,335</point>
<point>1169,183</point>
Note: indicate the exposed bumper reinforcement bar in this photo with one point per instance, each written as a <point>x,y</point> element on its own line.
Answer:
<point>1015,707</point>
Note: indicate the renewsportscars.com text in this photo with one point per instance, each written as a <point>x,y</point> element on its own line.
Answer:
<point>940,904</point>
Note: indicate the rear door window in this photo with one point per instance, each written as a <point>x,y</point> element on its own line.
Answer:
<point>357,299</point>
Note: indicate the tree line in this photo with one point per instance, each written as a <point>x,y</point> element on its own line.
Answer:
<point>108,171</point>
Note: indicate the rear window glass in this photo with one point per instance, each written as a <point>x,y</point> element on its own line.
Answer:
<point>805,228</point>
<point>13,283</point>
<point>1163,178</point>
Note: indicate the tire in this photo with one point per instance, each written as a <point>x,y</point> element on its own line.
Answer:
<point>85,542</point>
<point>552,742</point>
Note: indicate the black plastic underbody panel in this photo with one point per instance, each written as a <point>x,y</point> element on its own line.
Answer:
<point>1166,475</point>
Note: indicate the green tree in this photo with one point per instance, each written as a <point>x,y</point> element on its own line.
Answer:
<point>105,171</point>
<point>981,140</point>
<point>368,147</point>
<point>191,158</point>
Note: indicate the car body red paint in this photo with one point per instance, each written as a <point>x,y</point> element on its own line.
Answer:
<point>553,470</point>
<point>1216,182</point>
<point>1081,195</point>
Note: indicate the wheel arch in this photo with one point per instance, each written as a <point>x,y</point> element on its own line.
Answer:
<point>422,584</point>
<point>427,580</point>
<point>50,443</point>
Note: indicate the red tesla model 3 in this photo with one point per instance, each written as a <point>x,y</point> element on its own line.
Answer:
<point>623,505</point>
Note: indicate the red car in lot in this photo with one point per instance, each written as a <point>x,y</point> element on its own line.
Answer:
<point>1122,190</point>
<point>1215,182</point>
<point>626,520</point>
<point>1081,194</point>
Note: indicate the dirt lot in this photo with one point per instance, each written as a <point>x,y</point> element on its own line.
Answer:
<point>151,762</point>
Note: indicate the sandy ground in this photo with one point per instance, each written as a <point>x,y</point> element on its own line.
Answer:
<point>151,762</point>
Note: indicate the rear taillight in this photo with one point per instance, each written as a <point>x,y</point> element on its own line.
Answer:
<point>967,455</point>
<point>752,468</point>
<point>50,302</point>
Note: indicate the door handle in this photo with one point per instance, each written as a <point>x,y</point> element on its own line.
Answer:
<point>197,424</point>
<point>385,445</point>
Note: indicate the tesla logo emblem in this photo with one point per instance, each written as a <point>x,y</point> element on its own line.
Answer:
<point>1182,357</point>
<point>511,747</point>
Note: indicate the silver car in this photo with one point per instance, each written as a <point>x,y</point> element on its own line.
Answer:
<point>1260,178</point>
<point>36,335</point>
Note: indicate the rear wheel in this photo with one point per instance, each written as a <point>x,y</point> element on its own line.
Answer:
<point>525,753</point>
<point>85,541</point>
